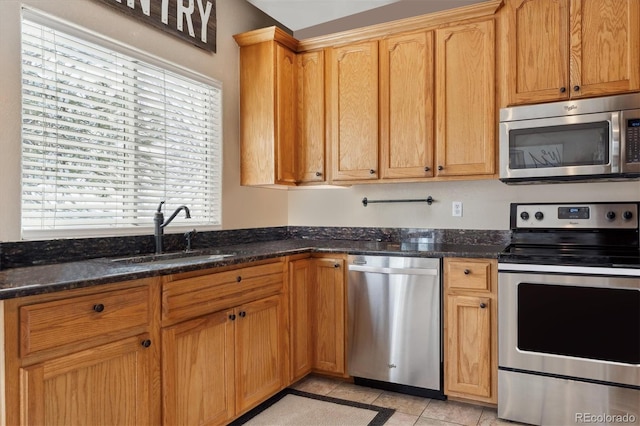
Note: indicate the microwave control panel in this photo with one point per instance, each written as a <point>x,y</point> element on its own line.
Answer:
<point>633,141</point>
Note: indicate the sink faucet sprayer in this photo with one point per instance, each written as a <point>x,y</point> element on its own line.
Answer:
<point>158,219</point>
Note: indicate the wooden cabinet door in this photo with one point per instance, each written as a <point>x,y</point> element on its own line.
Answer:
<point>605,47</point>
<point>406,106</point>
<point>311,117</point>
<point>468,358</point>
<point>198,371</point>
<point>106,385</point>
<point>259,351</point>
<point>537,50</point>
<point>465,93</point>
<point>286,108</point>
<point>352,90</point>
<point>328,298</point>
<point>300,287</point>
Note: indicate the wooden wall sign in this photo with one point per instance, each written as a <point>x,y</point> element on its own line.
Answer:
<point>191,20</point>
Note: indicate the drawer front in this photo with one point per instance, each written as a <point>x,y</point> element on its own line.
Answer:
<point>63,322</point>
<point>468,274</point>
<point>192,297</point>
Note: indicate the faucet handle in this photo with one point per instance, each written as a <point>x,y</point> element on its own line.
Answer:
<point>160,206</point>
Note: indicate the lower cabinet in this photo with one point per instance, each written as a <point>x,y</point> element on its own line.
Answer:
<point>317,316</point>
<point>217,365</point>
<point>470,329</point>
<point>85,357</point>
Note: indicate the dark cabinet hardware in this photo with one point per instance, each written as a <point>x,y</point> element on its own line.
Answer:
<point>440,168</point>
<point>576,88</point>
<point>242,314</point>
<point>563,89</point>
<point>483,305</point>
<point>238,278</point>
<point>429,200</point>
<point>372,172</point>
<point>99,307</point>
<point>232,317</point>
<point>336,265</point>
<point>146,343</point>
<point>318,174</point>
<point>467,272</point>
<point>426,169</point>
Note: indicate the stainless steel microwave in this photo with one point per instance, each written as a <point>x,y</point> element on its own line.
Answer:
<point>582,140</point>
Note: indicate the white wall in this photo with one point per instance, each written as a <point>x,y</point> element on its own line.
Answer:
<point>485,203</point>
<point>242,207</point>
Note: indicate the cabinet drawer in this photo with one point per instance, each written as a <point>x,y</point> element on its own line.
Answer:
<point>63,322</point>
<point>468,274</point>
<point>192,297</point>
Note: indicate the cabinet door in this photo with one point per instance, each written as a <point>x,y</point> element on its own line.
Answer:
<point>465,91</point>
<point>198,371</point>
<point>537,50</point>
<point>468,355</point>
<point>406,106</point>
<point>259,351</point>
<point>286,67</point>
<point>605,47</point>
<point>311,115</point>
<point>329,315</point>
<point>106,385</point>
<point>300,286</point>
<point>352,87</point>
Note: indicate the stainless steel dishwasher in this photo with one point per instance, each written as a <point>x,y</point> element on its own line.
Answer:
<point>394,324</point>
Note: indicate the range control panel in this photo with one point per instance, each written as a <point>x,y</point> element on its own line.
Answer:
<point>579,215</point>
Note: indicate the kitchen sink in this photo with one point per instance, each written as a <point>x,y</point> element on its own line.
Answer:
<point>173,258</point>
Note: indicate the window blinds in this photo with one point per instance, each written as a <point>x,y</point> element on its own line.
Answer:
<point>106,137</point>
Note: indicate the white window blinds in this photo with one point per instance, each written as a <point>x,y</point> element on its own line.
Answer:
<point>106,137</point>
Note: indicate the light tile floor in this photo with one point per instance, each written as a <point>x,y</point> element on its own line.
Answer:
<point>410,410</point>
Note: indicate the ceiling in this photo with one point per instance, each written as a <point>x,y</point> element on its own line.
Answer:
<point>311,18</point>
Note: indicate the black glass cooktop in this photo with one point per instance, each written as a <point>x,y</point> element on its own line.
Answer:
<point>616,257</point>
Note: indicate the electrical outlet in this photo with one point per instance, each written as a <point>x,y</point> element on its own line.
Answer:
<point>456,208</point>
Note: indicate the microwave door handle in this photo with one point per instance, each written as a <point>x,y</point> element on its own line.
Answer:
<point>616,143</point>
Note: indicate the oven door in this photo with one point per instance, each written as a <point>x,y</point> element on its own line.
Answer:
<point>559,148</point>
<point>573,325</point>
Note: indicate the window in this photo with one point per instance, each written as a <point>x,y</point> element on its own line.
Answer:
<point>108,133</point>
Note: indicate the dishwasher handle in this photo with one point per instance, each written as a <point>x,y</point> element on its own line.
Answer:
<point>400,271</point>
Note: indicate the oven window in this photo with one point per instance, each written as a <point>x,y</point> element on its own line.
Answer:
<point>559,146</point>
<point>585,322</point>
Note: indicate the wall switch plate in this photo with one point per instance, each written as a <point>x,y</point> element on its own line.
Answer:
<point>456,209</point>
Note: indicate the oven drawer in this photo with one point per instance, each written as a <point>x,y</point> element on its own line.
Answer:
<point>468,274</point>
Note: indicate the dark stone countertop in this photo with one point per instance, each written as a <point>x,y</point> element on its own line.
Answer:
<point>26,281</point>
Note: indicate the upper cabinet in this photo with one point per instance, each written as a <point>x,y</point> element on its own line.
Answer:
<point>562,49</point>
<point>268,107</point>
<point>407,106</point>
<point>311,117</point>
<point>465,93</point>
<point>352,93</point>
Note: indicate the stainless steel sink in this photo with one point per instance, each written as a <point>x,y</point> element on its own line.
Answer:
<point>173,258</point>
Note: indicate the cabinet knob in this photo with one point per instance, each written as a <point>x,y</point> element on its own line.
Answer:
<point>440,168</point>
<point>426,169</point>
<point>99,307</point>
<point>563,89</point>
<point>242,314</point>
<point>576,88</point>
<point>232,317</point>
<point>467,272</point>
<point>483,305</point>
<point>336,265</point>
<point>146,343</point>
<point>238,278</point>
<point>318,174</point>
<point>372,172</point>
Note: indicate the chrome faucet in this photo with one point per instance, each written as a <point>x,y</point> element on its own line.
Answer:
<point>158,219</point>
